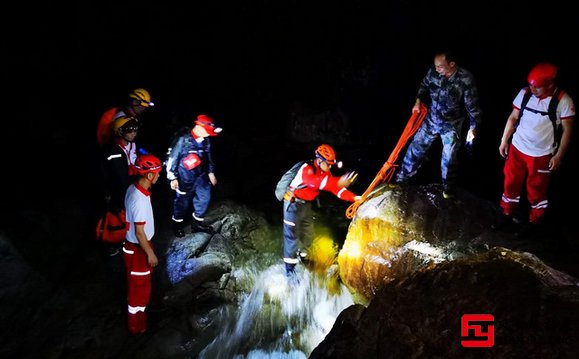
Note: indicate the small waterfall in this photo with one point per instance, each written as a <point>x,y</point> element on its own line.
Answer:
<point>278,318</point>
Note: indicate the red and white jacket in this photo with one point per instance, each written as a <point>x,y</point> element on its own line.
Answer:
<point>310,180</point>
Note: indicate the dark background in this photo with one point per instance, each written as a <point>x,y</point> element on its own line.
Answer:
<point>249,65</point>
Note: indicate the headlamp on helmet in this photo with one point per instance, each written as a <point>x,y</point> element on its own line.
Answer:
<point>207,123</point>
<point>327,154</point>
<point>123,124</point>
<point>142,96</point>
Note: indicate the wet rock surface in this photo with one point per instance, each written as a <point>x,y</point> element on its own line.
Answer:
<point>65,298</point>
<point>535,310</point>
<point>420,262</point>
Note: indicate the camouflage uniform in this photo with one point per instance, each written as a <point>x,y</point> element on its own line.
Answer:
<point>449,98</point>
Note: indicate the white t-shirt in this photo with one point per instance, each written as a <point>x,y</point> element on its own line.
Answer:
<point>534,135</point>
<point>139,210</point>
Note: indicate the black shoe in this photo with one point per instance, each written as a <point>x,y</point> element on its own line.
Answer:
<point>290,269</point>
<point>197,226</point>
<point>503,222</point>
<point>178,232</point>
<point>528,231</point>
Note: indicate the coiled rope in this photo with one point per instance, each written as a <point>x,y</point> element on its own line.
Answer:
<point>387,170</point>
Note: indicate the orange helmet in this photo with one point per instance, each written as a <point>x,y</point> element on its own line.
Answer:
<point>542,74</point>
<point>148,163</point>
<point>326,153</point>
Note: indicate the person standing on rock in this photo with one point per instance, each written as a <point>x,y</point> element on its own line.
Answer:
<point>533,146</point>
<point>452,95</point>
<point>139,256</point>
<point>191,173</point>
<point>298,220</point>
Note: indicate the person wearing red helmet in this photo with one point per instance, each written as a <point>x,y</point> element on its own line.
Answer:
<point>298,220</point>
<point>191,173</point>
<point>139,256</point>
<point>531,146</point>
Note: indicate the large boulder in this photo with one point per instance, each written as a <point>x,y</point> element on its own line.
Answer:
<point>399,230</point>
<point>535,312</point>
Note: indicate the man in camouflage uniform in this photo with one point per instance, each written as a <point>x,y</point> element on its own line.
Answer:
<point>453,96</point>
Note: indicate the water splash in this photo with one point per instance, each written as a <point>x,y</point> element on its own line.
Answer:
<point>279,318</point>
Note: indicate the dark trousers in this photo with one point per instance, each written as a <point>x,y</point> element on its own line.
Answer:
<point>196,196</point>
<point>298,229</point>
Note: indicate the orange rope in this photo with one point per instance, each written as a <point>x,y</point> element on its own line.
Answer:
<point>387,170</point>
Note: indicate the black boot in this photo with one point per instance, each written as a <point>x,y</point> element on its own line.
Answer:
<point>290,269</point>
<point>503,222</point>
<point>178,230</point>
<point>198,226</point>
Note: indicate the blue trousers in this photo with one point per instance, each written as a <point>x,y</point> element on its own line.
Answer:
<point>298,229</point>
<point>196,196</point>
<point>421,143</point>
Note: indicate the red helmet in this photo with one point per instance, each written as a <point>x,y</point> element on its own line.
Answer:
<point>542,74</point>
<point>148,163</point>
<point>207,123</point>
<point>326,153</point>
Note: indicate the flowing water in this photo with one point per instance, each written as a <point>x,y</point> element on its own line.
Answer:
<point>277,317</point>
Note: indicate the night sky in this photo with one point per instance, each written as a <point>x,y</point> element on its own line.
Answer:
<point>249,63</point>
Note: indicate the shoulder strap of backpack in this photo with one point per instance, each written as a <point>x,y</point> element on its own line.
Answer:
<point>553,105</point>
<point>524,102</point>
<point>552,111</point>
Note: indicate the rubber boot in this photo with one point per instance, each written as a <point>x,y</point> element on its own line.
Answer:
<point>178,230</point>
<point>290,269</point>
<point>198,226</point>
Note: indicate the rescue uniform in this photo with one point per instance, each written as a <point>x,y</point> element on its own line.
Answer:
<point>138,211</point>
<point>532,147</point>
<point>446,114</point>
<point>298,221</point>
<point>190,162</point>
<point>105,126</point>
<point>119,171</point>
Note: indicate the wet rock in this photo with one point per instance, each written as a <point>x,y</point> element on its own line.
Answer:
<point>535,310</point>
<point>399,230</point>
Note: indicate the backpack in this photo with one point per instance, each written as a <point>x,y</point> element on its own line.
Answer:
<point>105,126</point>
<point>112,227</point>
<point>285,180</point>
<point>551,110</point>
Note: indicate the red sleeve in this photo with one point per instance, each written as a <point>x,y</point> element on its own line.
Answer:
<point>330,184</point>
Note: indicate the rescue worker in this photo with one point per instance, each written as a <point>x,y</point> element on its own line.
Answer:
<point>120,157</point>
<point>138,251</point>
<point>534,150</point>
<point>118,168</point>
<point>139,100</point>
<point>298,219</point>
<point>191,173</point>
<point>452,95</point>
